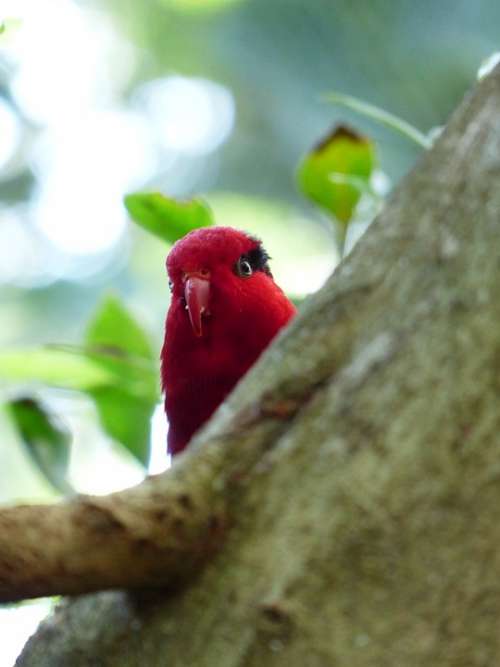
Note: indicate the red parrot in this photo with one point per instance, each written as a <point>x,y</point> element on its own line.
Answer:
<point>225,310</point>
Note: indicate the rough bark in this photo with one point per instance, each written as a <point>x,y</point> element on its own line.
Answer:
<point>362,522</point>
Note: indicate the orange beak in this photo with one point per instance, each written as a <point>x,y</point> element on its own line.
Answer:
<point>197,295</point>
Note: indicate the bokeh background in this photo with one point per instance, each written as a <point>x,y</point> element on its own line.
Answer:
<point>213,97</point>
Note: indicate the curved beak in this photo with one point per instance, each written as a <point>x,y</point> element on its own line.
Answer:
<point>197,294</point>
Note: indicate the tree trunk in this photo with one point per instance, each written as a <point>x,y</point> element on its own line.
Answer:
<point>362,524</point>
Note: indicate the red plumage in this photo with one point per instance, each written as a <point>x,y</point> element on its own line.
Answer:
<point>225,310</point>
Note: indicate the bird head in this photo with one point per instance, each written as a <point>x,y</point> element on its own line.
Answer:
<point>216,265</point>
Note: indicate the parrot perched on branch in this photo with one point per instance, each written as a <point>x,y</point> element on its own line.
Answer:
<point>225,310</point>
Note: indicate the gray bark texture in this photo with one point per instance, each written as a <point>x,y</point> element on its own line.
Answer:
<point>361,523</point>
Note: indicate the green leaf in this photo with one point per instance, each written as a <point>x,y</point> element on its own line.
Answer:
<point>167,218</point>
<point>112,327</point>
<point>65,368</point>
<point>381,116</point>
<point>125,407</point>
<point>116,341</point>
<point>126,418</point>
<point>332,175</point>
<point>79,368</point>
<point>116,367</point>
<point>46,440</point>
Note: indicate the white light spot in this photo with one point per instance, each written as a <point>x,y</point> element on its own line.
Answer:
<point>190,115</point>
<point>362,640</point>
<point>159,460</point>
<point>63,57</point>
<point>22,258</point>
<point>488,64</point>
<point>76,225</point>
<point>16,626</point>
<point>94,455</point>
<point>79,205</point>
<point>10,133</point>
<point>314,270</point>
<point>434,133</point>
<point>450,247</point>
<point>276,645</point>
<point>380,183</point>
<point>375,352</point>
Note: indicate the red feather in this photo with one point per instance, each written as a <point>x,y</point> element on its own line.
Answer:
<point>225,310</point>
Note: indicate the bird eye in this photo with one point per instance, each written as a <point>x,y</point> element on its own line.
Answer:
<point>243,267</point>
<point>171,285</point>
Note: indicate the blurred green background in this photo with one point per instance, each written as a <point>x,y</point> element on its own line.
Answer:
<point>213,97</point>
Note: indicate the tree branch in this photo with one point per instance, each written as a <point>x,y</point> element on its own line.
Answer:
<point>161,531</point>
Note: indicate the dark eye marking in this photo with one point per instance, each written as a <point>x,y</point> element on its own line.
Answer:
<point>243,268</point>
<point>255,259</point>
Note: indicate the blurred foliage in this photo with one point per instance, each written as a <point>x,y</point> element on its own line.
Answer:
<point>380,116</point>
<point>113,330</point>
<point>65,368</point>
<point>115,367</point>
<point>167,218</point>
<point>125,408</point>
<point>335,174</point>
<point>45,438</point>
<point>199,5</point>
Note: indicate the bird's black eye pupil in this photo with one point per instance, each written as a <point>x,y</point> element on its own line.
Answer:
<point>170,285</point>
<point>244,268</point>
